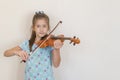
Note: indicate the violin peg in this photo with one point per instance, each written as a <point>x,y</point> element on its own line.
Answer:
<point>74,44</point>
<point>70,42</point>
<point>74,37</point>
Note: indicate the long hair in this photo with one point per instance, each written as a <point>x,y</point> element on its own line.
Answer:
<point>38,15</point>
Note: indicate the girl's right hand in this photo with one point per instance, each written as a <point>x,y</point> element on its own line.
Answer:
<point>22,54</point>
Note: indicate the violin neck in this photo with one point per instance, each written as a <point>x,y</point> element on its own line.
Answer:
<point>63,38</point>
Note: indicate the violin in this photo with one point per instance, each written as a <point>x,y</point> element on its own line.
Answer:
<point>50,41</point>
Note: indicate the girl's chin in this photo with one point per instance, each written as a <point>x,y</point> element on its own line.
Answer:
<point>41,35</point>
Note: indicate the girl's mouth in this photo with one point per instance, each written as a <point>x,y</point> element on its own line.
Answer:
<point>41,33</point>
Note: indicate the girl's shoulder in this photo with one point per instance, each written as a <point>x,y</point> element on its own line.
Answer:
<point>24,44</point>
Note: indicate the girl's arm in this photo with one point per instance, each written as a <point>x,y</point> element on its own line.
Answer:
<point>56,59</point>
<point>16,51</point>
<point>12,51</point>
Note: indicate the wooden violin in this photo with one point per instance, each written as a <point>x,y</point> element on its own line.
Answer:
<point>50,41</point>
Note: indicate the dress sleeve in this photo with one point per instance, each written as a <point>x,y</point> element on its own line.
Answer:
<point>24,45</point>
<point>51,49</point>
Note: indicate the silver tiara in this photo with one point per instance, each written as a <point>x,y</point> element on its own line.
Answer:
<point>39,12</point>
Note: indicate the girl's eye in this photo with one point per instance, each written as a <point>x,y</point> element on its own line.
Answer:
<point>44,26</point>
<point>38,26</point>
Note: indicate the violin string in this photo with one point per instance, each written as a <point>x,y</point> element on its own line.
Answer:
<point>66,38</point>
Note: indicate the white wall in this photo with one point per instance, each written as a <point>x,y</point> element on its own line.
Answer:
<point>95,22</point>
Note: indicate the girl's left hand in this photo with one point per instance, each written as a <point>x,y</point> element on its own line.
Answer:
<point>57,43</point>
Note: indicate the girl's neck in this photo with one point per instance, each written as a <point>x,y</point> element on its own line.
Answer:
<point>37,38</point>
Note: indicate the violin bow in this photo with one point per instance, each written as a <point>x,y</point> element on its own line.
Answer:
<point>40,44</point>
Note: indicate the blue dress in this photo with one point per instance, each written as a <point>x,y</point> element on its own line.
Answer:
<point>39,64</point>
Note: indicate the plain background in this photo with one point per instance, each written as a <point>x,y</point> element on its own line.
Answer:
<point>95,22</point>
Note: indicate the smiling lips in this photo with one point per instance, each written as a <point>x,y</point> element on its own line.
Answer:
<point>41,33</point>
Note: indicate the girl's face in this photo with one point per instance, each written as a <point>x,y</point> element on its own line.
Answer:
<point>41,27</point>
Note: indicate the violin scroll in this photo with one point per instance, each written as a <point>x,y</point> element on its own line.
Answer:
<point>75,40</point>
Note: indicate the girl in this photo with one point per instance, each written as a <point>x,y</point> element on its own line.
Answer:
<point>39,64</point>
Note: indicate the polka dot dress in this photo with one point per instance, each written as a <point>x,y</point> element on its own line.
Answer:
<point>39,64</point>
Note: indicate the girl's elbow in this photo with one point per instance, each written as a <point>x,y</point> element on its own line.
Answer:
<point>56,65</point>
<point>5,53</point>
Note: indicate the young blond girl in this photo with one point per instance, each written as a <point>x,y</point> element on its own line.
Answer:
<point>39,64</point>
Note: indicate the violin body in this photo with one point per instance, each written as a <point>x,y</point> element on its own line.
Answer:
<point>50,40</point>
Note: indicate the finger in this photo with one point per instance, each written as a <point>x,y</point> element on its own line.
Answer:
<point>22,55</point>
<point>26,55</point>
<point>56,45</point>
<point>59,44</point>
